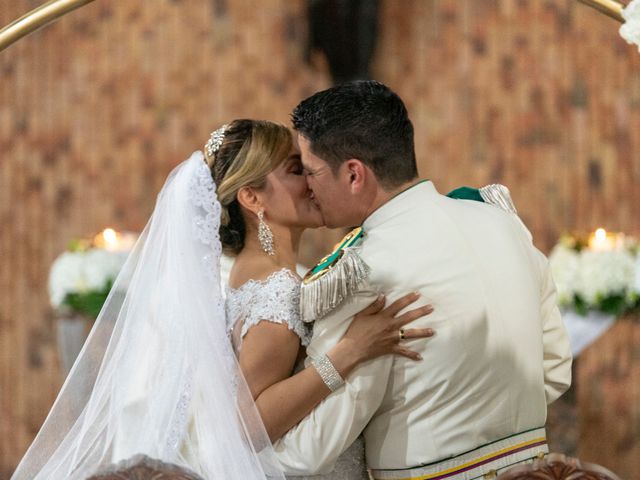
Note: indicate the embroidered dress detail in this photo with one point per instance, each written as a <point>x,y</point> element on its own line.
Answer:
<point>179,422</point>
<point>275,299</point>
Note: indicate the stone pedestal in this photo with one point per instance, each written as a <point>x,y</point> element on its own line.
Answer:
<point>71,334</point>
<point>608,399</point>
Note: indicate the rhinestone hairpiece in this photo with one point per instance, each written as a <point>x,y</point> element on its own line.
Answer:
<point>215,141</point>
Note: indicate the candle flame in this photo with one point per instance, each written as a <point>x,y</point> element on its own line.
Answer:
<point>601,234</point>
<point>110,236</point>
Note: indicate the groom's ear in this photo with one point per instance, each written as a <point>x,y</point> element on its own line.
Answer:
<point>356,172</point>
<point>248,199</point>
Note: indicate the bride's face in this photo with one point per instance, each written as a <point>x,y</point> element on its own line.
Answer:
<point>287,198</point>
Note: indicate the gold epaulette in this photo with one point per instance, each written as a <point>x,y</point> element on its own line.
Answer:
<point>333,279</point>
<point>499,196</point>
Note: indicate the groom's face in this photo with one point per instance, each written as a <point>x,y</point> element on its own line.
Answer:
<point>329,194</point>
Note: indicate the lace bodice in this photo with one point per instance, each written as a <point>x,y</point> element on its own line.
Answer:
<point>276,299</point>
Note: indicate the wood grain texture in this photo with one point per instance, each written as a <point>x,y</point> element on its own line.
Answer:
<point>608,399</point>
<point>96,109</point>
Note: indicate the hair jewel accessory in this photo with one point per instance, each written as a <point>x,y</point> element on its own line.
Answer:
<point>215,142</point>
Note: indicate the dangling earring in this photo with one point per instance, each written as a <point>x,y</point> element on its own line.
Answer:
<point>265,235</point>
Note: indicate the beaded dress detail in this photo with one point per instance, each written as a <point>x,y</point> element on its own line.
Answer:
<point>277,299</point>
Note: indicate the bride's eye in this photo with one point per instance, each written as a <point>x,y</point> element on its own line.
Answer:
<point>296,169</point>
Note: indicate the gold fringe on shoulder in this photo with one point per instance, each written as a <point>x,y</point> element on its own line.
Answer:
<point>321,295</point>
<point>499,196</point>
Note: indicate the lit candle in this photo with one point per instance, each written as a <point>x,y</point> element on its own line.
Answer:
<point>113,241</point>
<point>601,241</point>
<point>110,237</point>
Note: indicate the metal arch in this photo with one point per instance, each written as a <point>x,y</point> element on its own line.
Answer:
<point>37,18</point>
<point>54,9</point>
<point>611,8</point>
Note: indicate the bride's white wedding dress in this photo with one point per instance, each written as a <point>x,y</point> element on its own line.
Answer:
<point>277,299</point>
<point>157,375</point>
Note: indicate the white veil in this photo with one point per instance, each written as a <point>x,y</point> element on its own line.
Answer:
<point>157,375</point>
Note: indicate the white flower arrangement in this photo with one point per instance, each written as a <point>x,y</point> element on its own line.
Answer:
<point>81,278</point>
<point>630,30</point>
<point>596,279</point>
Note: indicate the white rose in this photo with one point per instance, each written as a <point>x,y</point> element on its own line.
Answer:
<point>93,269</point>
<point>564,263</point>
<point>99,267</point>
<point>80,272</point>
<point>630,30</point>
<point>605,273</point>
<point>65,276</point>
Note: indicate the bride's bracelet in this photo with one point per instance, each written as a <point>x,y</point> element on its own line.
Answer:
<point>330,376</point>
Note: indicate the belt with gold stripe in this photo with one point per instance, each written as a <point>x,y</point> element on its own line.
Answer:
<point>485,461</point>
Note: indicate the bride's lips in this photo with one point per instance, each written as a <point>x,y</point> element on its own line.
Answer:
<point>312,197</point>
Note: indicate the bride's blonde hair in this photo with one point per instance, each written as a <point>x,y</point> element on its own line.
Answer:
<point>250,150</point>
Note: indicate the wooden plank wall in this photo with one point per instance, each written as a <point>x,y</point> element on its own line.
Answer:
<point>608,393</point>
<point>95,110</point>
<point>542,96</point>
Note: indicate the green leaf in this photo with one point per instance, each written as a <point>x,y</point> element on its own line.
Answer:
<point>613,304</point>
<point>78,245</point>
<point>580,306</point>
<point>88,303</point>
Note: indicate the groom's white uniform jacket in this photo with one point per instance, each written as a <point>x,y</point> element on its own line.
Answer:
<point>500,353</point>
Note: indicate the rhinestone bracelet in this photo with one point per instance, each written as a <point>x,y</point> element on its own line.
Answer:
<point>330,376</point>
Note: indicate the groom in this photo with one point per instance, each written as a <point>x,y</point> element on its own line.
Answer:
<point>477,401</point>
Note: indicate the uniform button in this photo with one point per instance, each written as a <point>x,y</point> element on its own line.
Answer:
<point>490,474</point>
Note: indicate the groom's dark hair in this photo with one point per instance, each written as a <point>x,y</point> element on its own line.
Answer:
<point>364,120</point>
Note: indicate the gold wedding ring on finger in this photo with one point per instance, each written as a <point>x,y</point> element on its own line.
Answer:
<point>401,334</point>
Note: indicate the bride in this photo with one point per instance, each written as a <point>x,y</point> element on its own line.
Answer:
<point>174,370</point>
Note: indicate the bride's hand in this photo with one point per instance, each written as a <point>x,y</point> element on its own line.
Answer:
<point>375,331</point>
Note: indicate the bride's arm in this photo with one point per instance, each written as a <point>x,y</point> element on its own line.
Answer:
<point>268,356</point>
<point>269,352</point>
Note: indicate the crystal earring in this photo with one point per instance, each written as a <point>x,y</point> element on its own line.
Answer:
<point>265,235</point>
